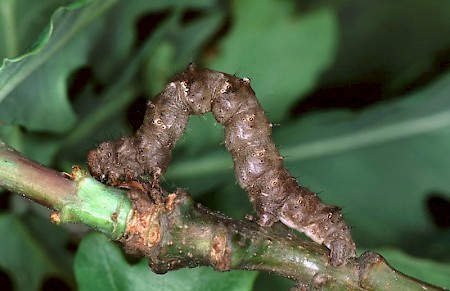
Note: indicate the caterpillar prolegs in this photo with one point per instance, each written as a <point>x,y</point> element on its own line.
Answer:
<point>275,194</point>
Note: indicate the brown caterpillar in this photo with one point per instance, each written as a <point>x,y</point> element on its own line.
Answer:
<point>258,165</point>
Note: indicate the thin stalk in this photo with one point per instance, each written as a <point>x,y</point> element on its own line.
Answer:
<point>81,199</point>
<point>34,181</point>
<point>175,232</point>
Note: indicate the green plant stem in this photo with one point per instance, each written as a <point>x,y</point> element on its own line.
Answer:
<point>81,199</point>
<point>175,232</point>
<point>34,181</point>
<point>185,234</point>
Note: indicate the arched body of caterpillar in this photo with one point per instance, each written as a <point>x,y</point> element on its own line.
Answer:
<point>274,193</point>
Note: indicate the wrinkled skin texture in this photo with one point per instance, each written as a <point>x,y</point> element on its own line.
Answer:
<point>259,169</point>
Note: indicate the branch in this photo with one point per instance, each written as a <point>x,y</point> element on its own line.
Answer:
<point>175,232</point>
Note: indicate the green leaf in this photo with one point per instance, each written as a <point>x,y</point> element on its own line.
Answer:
<point>380,164</point>
<point>422,269</point>
<point>281,52</point>
<point>375,47</point>
<point>202,134</point>
<point>32,251</point>
<point>33,145</point>
<point>113,46</point>
<point>21,21</point>
<point>36,80</point>
<point>100,265</point>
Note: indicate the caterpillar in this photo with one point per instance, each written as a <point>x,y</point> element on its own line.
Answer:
<point>274,193</point>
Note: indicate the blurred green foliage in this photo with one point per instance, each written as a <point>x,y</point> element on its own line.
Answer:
<point>359,92</point>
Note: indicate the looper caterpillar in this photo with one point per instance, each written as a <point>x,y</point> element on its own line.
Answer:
<point>275,194</point>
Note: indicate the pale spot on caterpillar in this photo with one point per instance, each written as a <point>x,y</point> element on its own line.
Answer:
<point>225,87</point>
<point>246,80</point>
<point>184,87</point>
<point>160,123</point>
<point>259,169</point>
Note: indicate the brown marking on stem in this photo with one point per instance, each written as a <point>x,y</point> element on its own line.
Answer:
<point>55,217</point>
<point>220,251</point>
<point>170,202</point>
<point>143,231</point>
<point>320,280</point>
